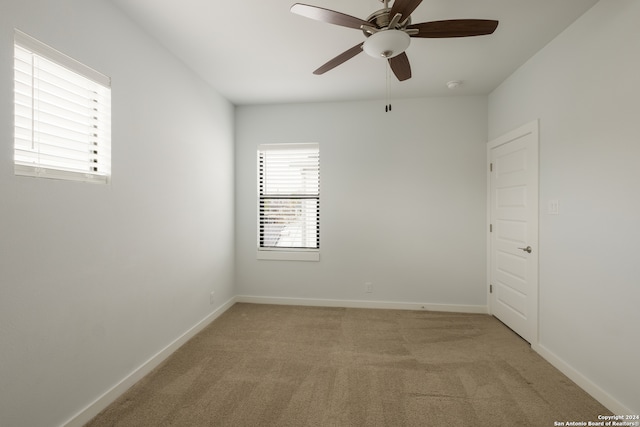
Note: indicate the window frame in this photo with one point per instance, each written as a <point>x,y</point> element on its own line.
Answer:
<point>79,119</point>
<point>286,253</point>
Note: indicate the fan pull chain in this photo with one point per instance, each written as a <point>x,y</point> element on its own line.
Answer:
<point>387,107</point>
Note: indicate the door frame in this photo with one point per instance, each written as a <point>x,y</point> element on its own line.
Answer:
<point>528,128</point>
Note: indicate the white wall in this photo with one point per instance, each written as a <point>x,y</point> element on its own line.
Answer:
<point>584,88</point>
<point>95,280</point>
<point>402,201</point>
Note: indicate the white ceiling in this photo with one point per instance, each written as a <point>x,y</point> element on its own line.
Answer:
<point>257,51</point>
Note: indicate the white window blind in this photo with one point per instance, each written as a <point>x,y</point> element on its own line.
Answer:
<point>289,196</point>
<point>62,120</point>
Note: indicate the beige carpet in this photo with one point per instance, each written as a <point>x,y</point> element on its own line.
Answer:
<point>265,365</point>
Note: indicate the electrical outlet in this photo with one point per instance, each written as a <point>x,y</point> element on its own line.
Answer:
<point>554,207</point>
<point>211,297</point>
<point>368,287</point>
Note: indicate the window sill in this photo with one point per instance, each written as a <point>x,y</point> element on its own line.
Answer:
<point>42,172</point>
<point>288,255</point>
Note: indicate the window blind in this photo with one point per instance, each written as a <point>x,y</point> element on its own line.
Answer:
<point>62,115</point>
<point>289,196</point>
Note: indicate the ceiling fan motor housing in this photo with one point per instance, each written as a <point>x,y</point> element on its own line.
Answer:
<point>381,19</point>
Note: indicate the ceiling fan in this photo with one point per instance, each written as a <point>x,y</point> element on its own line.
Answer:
<point>388,32</point>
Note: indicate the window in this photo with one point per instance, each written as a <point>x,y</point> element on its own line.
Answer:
<point>289,201</point>
<point>62,119</point>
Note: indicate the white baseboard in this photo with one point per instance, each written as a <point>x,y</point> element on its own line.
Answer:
<point>116,391</point>
<point>583,382</point>
<point>389,305</point>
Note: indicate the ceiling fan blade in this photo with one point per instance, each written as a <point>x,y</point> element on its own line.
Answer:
<point>327,15</point>
<point>400,66</point>
<point>454,28</point>
<point>404,7</point>
<point>343,57</point>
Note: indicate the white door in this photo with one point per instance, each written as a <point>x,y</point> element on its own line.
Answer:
<point>513,276</point>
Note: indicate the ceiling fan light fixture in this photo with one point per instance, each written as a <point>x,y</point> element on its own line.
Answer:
<point>386,43</point>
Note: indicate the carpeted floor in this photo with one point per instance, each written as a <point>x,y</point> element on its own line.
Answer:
<point>266,365</point>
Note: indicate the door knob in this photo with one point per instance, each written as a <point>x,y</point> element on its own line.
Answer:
<point>527,249</point>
